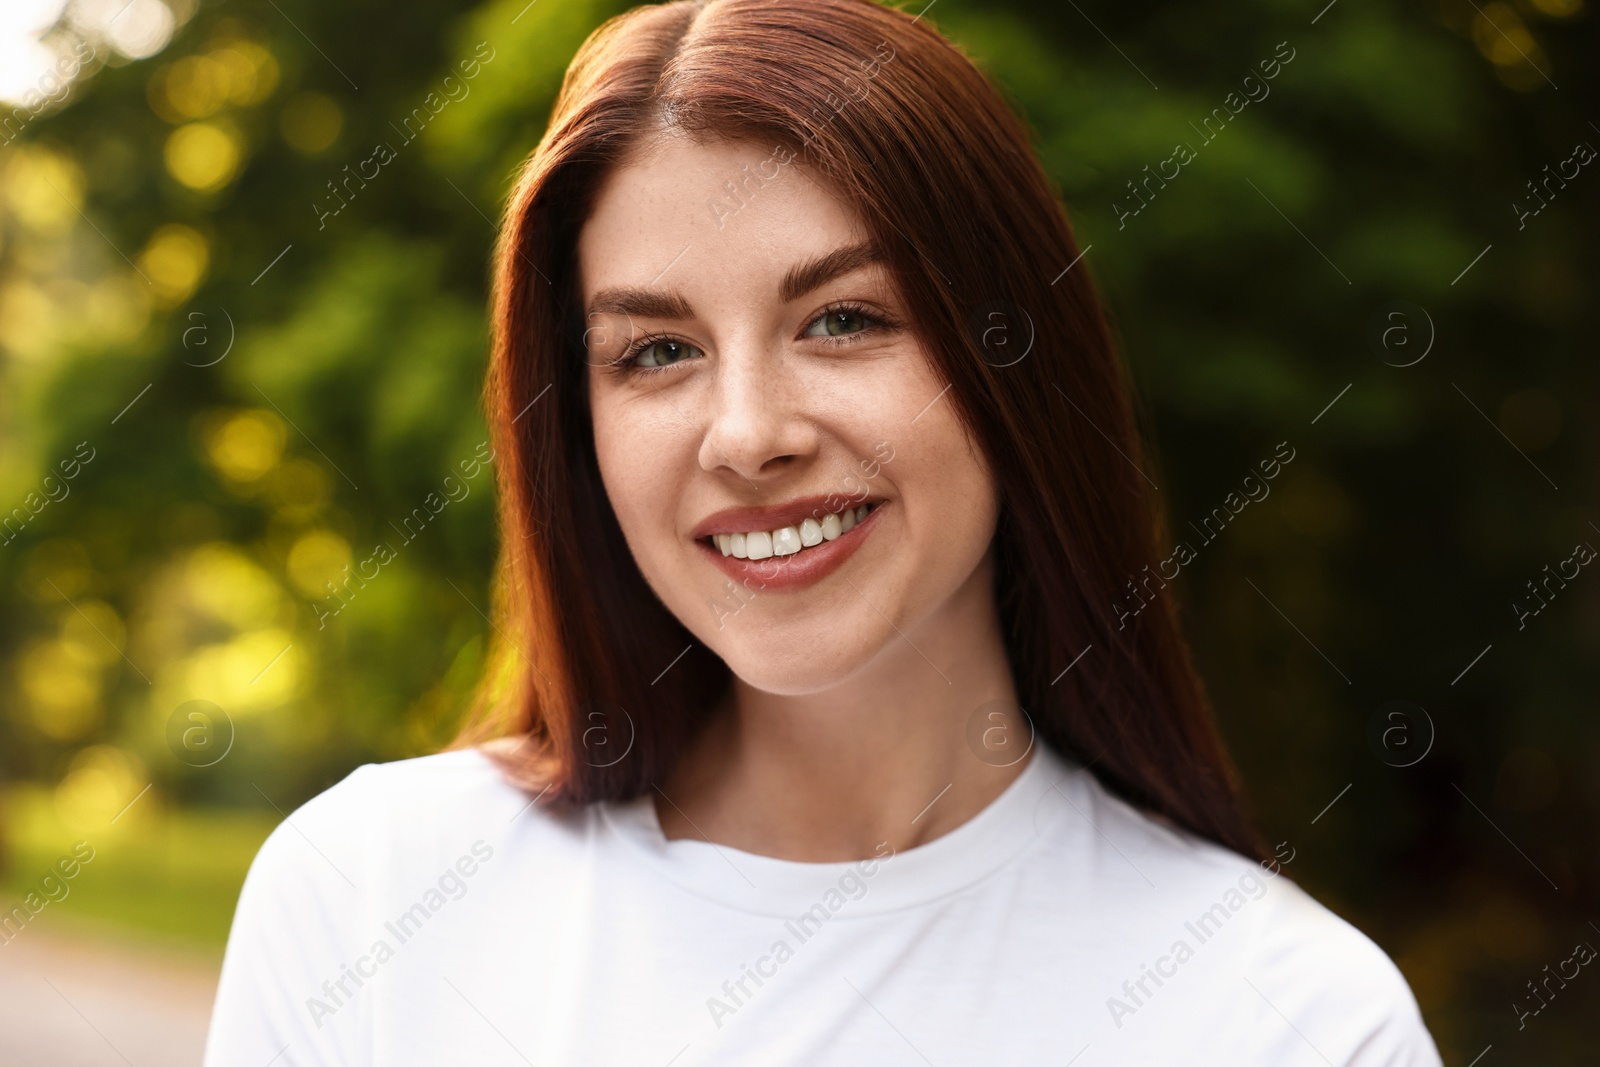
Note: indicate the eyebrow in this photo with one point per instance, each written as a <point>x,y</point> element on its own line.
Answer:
<point>800,280</point>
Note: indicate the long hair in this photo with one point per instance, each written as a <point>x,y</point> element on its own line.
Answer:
<point>942,174</point>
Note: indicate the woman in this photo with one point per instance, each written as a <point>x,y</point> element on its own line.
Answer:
<point>822,732</point>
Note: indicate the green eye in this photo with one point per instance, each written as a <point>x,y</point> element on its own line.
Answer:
<point>662,354</point>
<point>838,323</point>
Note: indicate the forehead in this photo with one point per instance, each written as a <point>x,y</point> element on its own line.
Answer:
<point>725,209</point>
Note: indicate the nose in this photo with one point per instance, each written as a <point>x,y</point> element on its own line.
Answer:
<point>757,426</point>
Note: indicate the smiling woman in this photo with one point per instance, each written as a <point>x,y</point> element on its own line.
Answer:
<point>928,676</point>
<point>753,372</point>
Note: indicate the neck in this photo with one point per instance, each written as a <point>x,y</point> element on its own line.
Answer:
<point>889,754</point>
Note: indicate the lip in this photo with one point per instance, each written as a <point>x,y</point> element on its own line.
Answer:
<point>776,573</point>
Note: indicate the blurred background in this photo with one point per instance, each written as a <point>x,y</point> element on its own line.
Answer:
<point>241,344</point>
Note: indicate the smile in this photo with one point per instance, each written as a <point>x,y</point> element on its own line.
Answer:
<point>790,540</point>
<point>801,545</point>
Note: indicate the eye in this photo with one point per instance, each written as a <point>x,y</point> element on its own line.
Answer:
<point>661,353</point>
<point>839,322</point>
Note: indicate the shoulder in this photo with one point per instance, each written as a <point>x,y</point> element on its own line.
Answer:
<point>1273,951</point>
<point>450,781</point>
<point>1308,963</point>
<point>340,851</point>
<point>324,880</point>
<point>413,797</point>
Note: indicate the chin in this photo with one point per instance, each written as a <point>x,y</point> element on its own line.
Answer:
<point>774,660</point>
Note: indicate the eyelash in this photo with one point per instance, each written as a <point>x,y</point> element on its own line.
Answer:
<point>875,321</point>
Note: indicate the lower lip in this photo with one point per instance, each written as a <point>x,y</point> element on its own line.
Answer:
<point>809,565</point>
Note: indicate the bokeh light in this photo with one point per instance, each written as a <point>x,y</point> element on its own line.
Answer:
<point>61,690</point>
<point>317,560</point>
<point>175,262</point>
<point>44,188</point>
<point>245,445</point>
<point>100,783</point>
<point>224,583</point>
<point>204,156</point>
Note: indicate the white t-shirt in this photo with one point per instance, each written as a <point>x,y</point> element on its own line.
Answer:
<point>423,913</point>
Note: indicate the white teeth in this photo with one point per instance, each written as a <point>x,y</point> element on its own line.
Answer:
<point>788,540</point>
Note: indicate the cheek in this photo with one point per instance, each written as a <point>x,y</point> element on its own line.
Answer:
<point>942,479</point>
<point>643,467</point>
<point>954,493</point>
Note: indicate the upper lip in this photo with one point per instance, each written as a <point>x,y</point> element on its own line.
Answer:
<point>774,516</point>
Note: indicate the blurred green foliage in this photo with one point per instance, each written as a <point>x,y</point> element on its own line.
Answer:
<point>183,206</point>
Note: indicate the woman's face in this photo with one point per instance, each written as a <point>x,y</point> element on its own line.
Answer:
<point>755,383</point>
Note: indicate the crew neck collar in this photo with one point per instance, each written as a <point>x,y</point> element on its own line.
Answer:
<point>769,886</point>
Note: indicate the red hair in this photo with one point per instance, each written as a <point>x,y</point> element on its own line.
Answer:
<point>943,176</point>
